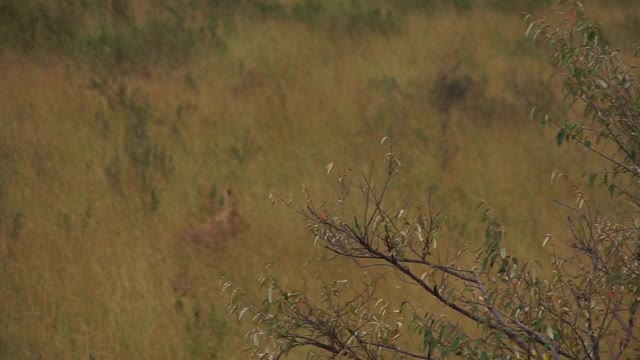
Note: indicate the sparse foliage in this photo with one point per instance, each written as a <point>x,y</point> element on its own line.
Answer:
<point>585,309</point>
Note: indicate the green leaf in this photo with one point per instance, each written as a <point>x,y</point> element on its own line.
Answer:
<point>592,178</point>
<point>578,73</point>
<point>560,137</point>
<point>612,188</point>
<point>587,143</point>
<point>582,24</point>
<point>526,34</point>
<point>456,344</point>
<point>433,345</point>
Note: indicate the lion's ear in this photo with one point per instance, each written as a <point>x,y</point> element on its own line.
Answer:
<point>228,198</point>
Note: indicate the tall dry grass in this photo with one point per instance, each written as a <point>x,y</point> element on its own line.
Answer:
<point>102,168</point>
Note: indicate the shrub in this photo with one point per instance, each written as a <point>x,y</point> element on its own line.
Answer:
<point>586,308</point>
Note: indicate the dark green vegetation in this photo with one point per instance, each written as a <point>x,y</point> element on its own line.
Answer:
<point>120,120</point>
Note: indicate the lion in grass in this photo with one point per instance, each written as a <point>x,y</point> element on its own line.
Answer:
<point>220,228</point>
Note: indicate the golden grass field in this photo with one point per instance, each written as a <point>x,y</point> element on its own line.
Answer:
<point>107,159</point>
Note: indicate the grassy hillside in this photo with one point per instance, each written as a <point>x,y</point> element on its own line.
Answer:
<point>119,122</point>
